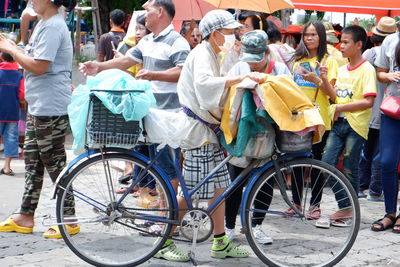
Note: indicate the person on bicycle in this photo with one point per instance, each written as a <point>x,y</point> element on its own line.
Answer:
<point>201,92</point>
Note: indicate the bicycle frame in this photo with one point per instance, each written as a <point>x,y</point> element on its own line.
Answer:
<point>187,194</point>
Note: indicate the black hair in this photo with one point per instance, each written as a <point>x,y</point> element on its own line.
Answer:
<point>397,52</point>
<point>377,39</point>
<point>258,22</point>
<point>167,5</point>
<point>68,4</point>
<point>141,20</point>
<point>117,16</point>
<point>246,13</point>
<point>237,36</point>
<point>357,34</point>
<point>302,51</point>
<point>274,34</point>
<point>7,57</point>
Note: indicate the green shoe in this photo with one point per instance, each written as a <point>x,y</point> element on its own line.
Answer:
<point>172,253</point>
<point>230,251</point>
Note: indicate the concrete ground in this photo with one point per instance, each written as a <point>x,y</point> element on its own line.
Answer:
<point>370,248</point>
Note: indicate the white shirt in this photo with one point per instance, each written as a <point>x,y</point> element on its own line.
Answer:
<point>201,89</point>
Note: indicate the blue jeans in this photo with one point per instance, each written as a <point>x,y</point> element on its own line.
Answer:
<point>343,138</point>
<point>389,147</point>
<point>370,165</point>
<point>9,130</point>
<point>164,161</point>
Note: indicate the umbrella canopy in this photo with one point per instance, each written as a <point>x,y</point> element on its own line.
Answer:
<point>191,9</point>
<point>376,7</point>
<point>266,6</point>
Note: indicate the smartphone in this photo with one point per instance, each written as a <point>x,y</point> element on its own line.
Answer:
<point>112,44</point>
<point>306,65</point>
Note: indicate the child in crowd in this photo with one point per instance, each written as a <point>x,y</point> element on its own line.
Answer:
<point>11,97</point>
<point>355,94</point>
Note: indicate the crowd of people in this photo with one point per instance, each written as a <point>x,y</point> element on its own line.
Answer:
<point>194,70</point>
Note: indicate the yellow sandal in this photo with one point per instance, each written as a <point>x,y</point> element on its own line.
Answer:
<point>56,231</point>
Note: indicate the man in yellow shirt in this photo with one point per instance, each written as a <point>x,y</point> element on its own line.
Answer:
<point>355,94</point>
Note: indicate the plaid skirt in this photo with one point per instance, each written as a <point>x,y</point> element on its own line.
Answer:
<point>198,163</point>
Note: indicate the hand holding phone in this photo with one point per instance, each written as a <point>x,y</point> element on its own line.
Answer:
<point>306,66</point>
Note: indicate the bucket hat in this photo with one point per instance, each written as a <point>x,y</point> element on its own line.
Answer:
<point>217,19</point>
<point>254,46</point>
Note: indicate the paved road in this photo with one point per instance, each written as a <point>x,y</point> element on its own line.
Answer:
<point>370,249</point>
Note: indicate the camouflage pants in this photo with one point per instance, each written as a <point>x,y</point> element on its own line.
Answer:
<point>43,148</point>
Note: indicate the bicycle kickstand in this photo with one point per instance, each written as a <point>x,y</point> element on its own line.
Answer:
<point>192,254</point>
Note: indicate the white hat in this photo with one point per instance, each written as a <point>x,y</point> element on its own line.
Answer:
<point>217,19</point>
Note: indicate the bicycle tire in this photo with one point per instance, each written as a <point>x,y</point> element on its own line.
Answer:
<point>104,240</point>
<point>297,241</point>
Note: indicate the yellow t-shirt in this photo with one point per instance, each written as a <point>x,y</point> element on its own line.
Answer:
<point>354,85</point>
<point>310,89</point>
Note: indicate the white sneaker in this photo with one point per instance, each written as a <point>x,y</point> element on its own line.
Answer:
<point>230,233</point>
<point>260,236</point>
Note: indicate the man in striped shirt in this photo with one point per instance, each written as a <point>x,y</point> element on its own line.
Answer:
<point>162,54</point>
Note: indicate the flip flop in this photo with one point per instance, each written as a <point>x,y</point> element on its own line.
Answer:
<point>10,173</point>
<point>57,234</point>
<point>10,226</point>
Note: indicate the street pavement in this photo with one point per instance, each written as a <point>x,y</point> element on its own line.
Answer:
<point>370,248</point>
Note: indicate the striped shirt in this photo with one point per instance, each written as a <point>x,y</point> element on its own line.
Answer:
<point>168,50</point>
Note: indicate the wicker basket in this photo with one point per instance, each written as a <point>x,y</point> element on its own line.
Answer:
<point>107,128</point>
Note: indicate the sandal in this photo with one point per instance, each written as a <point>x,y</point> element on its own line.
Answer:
<point>124,179</point>
<point>10,226</point>
<point>291,212</point>
<point>313,213</point>
<point>230,251</point>
<point>397,225</point>
<point>148,202</point>
<point>344,222</point>
<point>54,231</point>
<point>123,189</point>
<point>382,226</point>
<point>10,173</point>
<point>172,253</point>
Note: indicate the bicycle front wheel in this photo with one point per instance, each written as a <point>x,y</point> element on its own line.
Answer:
<point>323,230</point>
<point>113,231</point>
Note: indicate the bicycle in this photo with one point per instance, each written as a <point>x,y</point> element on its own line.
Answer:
<point>114,229</point>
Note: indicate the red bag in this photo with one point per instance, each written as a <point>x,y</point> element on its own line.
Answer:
<point>391,107</point>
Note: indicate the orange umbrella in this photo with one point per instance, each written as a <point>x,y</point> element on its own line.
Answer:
<point>376,7</point>
<point>191,9</point>
<point>266,6</point>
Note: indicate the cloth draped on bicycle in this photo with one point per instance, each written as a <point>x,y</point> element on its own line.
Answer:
<point>285,104</point>
<point>133,101</point>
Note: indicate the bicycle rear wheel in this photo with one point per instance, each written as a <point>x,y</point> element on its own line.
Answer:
<point>112,230</point>
<point>300,240</point>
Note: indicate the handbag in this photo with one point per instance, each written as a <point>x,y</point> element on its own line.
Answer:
<point>391,107</point>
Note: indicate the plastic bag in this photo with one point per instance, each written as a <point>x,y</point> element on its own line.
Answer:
<point>132,105</point>
<point>166,127</point>
<point>77,112</point>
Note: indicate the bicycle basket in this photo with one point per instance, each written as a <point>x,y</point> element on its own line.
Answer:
<point>106,128</point>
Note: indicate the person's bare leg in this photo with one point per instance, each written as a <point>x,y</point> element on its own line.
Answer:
<point>7,165</point>
<point>24,220</point>
<point>218,216</point>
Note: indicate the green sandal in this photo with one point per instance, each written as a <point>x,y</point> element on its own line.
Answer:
<point>172,253</point>
<point>230,251</point>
